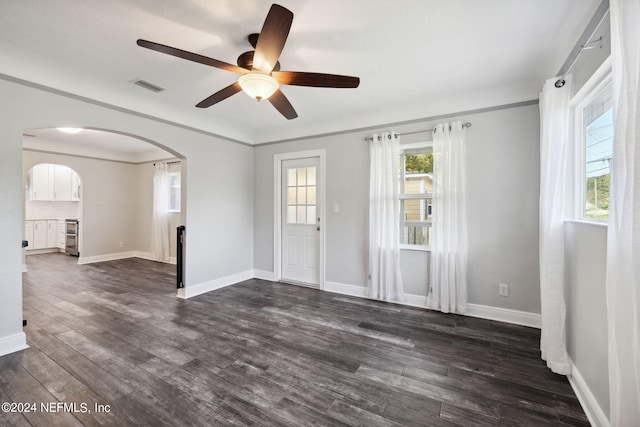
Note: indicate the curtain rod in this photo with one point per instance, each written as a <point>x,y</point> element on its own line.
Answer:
<point>170,163</point>
<point>464,125</point>
<point>584,42</point>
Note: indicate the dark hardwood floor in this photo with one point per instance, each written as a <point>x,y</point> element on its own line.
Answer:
<point>262,353</point>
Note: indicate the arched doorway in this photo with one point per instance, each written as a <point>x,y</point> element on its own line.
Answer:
<point>115,200</point>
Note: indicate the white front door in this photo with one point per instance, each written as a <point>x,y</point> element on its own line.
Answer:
<point>300,221</point>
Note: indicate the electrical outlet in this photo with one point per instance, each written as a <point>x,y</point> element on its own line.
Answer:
<point>503,290</point>
<point>122,244</point>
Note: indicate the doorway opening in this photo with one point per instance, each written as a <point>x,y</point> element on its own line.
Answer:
<point>111,197</point>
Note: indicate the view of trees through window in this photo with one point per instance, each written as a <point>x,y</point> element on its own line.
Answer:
<point>419,163</point>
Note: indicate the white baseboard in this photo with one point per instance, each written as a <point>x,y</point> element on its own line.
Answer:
<point>28,252</point>
<point>190,291</point>
<point>473,310</point>
<point>341,288</point>
<point>106,257</point>
<point>414,300</point>
<point>590,405</point>
<point>148,256</point>
<point>121,255</point>
<point>506,315</point>
<point>264,275</point>
<point>361,292</point>
<point>13,343</point>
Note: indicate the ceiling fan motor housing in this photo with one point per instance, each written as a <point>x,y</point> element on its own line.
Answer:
<point>246,61</point>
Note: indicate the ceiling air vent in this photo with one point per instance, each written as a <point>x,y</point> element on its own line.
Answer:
<point>147,85</point>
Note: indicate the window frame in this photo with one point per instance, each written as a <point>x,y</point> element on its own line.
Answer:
<point>592,89</point>
<point>402,196</point>
<point>179,174</point>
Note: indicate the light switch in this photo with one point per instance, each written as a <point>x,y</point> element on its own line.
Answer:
<point>336,208</point>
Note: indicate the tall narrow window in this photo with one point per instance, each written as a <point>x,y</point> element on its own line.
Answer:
<point>416,170</point>
<point>174,192</point>
<point>597,132</point>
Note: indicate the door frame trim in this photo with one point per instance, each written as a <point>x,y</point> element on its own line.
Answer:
<point>277,205</point>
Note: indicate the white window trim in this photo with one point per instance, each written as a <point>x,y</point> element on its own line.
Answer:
<point>413,146</point>
<point>591,89</point>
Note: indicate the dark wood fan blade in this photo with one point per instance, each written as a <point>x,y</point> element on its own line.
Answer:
<point>272,38</point>
<point>190,56</point>
<point>220,96</point>
<point>283,105</point>
<point>297,78</point>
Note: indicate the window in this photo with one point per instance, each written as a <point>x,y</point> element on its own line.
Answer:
<point>174,192</point>
<point>301,195</point>
<point>416,179</point>
<point>594,119</point>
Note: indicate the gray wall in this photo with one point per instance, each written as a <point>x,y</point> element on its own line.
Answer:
<point>586,254</point>
<point>503,187</point>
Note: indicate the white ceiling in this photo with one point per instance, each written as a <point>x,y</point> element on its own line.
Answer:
<point>415,58</point>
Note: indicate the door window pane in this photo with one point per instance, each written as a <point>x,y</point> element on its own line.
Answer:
<point>302,176</point>
<point>311,195</point>
<point>291,196</point>
<point>301,195</point>
<point>311,214</point>
<point>311,176</point>
<point>291,214</point>
<point>291,180</point>
<point>302,215</point>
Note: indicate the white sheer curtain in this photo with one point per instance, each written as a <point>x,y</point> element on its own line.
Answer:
<point>385,281</point>
<point>448,284</point>
<point>160,220</point>
<point>554,140</point>
<point>623,239</point>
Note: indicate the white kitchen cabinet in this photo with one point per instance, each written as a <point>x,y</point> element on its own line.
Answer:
<point>61,183</point>
<point>58,183</point>
<point>44,234</point>
<point>28,233</point>
<point>41,179</point>
<point>39,234</point>
<point>52,233</point>
<point>75,186</point>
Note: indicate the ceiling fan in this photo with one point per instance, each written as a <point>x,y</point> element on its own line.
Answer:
<point>260,75</point>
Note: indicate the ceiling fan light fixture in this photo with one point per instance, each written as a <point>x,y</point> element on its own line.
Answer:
<point>258,85</point>
<point>69,130</point>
